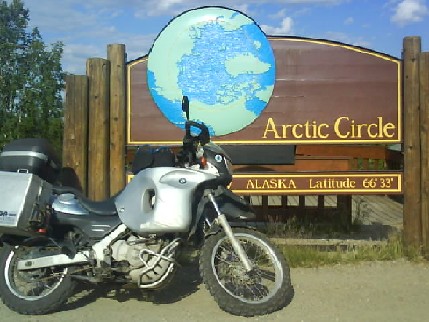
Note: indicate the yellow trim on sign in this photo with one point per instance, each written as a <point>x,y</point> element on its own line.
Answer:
<point>315,192</point>
<point>129,66</point>
<point>397,176</point>
<point>318,175</point>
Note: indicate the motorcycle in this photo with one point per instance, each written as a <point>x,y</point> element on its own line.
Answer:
<point>53,237</point>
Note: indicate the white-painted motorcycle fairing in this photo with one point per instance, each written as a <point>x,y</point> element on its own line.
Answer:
<point>156,189</point>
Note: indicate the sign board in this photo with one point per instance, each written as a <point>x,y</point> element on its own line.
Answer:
<point>324,92</point>
<point>358,182</point>
<point>261,96</point>
<point>318,183</point>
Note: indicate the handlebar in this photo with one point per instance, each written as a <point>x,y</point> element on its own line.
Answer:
<point>190,142</point>
<point>202,138</point>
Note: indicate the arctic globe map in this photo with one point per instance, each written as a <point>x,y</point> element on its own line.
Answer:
<point>221,60</point>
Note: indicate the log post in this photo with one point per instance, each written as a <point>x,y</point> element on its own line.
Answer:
<point>412,151</point>
<point>344,211</point>
<point>116,56</point>
<point>98,71</point>
<point>75,142</point>
<point>424,130</point>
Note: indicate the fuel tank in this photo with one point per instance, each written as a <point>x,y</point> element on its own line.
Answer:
<point>159,199</point>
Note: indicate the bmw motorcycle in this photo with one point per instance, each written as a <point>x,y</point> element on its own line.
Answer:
<point>54,237</point>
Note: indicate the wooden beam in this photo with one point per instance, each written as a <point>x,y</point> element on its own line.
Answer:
<point>116,56</point>
<point>98,71</point>
<point>75,144</point>
<point>424,130</point>
<point>355,151</point>
<point>412,151</point>
<point>303,163</point>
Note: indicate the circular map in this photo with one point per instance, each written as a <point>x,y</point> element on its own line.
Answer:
<point>221,60</point>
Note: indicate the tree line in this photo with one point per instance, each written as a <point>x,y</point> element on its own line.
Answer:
<point>31,79</point>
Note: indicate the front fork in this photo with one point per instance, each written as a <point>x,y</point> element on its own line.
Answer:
<point>221,220</point>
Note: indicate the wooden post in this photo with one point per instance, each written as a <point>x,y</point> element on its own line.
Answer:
<point>344,211</point>
<point>265,208</point>
<point>320,205</point>
<point>424,130</point>
<point>116,56</point>
<point>412,151</point>
<point>98,71</point>
<point>75,142</point>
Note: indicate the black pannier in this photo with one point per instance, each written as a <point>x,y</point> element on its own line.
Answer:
<point>33,156</point>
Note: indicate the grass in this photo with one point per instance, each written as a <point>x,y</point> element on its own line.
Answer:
<point>305,255</point>
<point>308,243</point>
<point>321,255</point>
<point>316,245</point>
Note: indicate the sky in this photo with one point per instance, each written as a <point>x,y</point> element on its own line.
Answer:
<point>86,27</point>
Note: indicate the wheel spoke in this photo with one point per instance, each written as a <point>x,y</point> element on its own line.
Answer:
<point>254,286</point>
<point>32,284</point>
<point>262,290</point>
<point>262,273</point>
<point>37,289</point>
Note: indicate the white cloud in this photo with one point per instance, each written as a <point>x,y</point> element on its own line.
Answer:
<point>346,39</point>
<point>75,56</point>
<point>409,11</point>
<point>173,7</point>
<point>284,29</point>
<point>338,36</point>
<point>279,14</point>
<point>349,21</point>
<point>86,27</point>
<point>137,45</point>
<point>167,4</point>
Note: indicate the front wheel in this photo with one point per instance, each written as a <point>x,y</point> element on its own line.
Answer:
<point>265,289</point>
<point>37,291</point>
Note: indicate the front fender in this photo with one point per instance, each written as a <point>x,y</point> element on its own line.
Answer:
<point>215,229</point>
<point>237,211</point>
<point>234,207</point>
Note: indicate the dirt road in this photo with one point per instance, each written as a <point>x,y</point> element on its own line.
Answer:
<point>375,291</point>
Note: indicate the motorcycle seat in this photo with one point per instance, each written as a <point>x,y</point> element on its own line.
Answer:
<point>101,208</point>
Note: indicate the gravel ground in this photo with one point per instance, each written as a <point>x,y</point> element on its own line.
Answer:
<point>372,291</point>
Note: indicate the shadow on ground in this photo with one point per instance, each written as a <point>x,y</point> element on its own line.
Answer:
<point>185,282</point>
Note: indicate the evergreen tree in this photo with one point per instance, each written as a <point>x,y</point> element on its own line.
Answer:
<point>31,79</point>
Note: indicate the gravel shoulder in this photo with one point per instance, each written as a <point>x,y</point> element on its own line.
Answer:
<point>370,291</point>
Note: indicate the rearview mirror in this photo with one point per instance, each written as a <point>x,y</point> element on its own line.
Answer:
<point>185,106</point>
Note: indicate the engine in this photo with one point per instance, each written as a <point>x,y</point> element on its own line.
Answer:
<point>148,262</point>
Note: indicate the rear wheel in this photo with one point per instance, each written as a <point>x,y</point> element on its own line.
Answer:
<point>265,289</point>
<point>37,291</point>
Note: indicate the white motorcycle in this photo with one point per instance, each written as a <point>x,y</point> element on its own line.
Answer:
<point>53,237</point>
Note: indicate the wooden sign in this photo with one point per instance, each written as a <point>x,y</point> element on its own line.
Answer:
<point>318,183</point>
<point>357,182</point>
<point>325,92</point>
